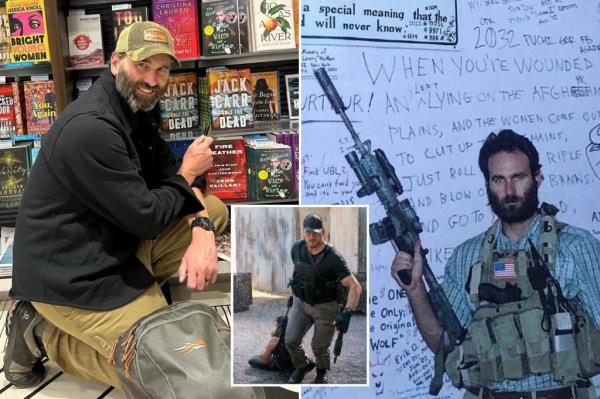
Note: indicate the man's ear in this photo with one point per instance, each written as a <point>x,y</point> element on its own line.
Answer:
<point>114,63</point>
<point>539,177</point>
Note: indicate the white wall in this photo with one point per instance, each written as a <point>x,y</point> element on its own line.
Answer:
<point>532,66</point>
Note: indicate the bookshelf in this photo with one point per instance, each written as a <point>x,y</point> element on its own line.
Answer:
<point>284,61</point>
<point>64,77</point>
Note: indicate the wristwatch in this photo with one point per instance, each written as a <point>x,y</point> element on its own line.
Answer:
<point>203,222</point>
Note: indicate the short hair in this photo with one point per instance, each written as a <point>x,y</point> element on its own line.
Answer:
<point>508,141</point>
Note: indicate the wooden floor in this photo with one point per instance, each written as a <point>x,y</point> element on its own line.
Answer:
<point>57,385</point>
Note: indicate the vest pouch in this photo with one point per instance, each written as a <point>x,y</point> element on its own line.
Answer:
<point>510,346</point>
<point>565,363</point>
<point>486,350</point>
<point>451,365</point>
<point>537,344</point>
<point>587,339</point>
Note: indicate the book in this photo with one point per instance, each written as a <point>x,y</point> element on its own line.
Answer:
<point>204,100</point>
<point>11,118</point>
<point>292,89</point>
<point>179,105</point>
<point>296,7</point>
<point>180,17</point>
<point>14,167</point>
<point>82,85</point>
<point>269,171</point>
<point>123,18</point>
<point>7,237</point>
<point>272,24</point>
<point>265,95</point>
<point>226,179</point>
<point>40,105</point>
<point>221,21</point>
<point>28,33</point>
<point>244,25</point>
<point>230,98</point>
<point>4,37</point>
<point>85,40</point>
<point>291,138</point>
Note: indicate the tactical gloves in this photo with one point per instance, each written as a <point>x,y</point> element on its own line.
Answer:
<point>342,321</point>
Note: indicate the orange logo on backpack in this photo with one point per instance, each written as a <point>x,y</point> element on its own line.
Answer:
<point>190,346</point>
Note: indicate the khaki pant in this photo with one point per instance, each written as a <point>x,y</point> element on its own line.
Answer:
<point>80,340</point>
<point>302,317</point>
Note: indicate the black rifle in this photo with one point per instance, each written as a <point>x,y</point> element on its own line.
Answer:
<point>337,348</point>
<point>401,226</point>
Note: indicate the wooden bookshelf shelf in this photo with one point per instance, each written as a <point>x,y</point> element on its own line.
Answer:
<point>25,69</point>
<point>249,58</point>
<point>262,202</point>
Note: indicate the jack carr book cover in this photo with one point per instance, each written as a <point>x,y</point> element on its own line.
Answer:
<point>179,105</point>
<point>231,98</point>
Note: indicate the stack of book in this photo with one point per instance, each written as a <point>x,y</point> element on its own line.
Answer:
<point>218,28</point>
<point>27,107</point>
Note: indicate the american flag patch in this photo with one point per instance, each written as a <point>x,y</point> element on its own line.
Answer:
<point>504,271</point>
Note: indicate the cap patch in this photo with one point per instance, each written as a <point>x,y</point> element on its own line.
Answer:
<point>155,35</point>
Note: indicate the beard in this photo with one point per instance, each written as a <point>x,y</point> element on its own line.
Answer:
<point>127,88</point>
<point>512,208</point>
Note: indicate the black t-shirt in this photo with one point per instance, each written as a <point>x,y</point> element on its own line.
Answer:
<point>332,265</point>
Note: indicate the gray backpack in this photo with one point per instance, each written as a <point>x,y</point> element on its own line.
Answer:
<point>178,352</point>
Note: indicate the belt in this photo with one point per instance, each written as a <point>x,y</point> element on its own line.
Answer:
<point>556,393</point>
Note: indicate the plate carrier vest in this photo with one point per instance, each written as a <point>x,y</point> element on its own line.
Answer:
<point>521,337</point>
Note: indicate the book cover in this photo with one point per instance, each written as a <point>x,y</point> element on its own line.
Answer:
<point>230,98</point>
<point>272,24</point>
<point>85,40</point>
<point>220,27</point>
<point>265,95</point>
<point>179,105</point>
<point>227,177</point>
<point>204,100</point>
<point>40,105</point>
<point>292,86</point>
<point>275,179</point>
<point>180,17</point>
<point>123,18</point>
<point>14,166</point>
<point>11,119</point>
<point>296,13</point>
<point>244,25</point>
<point>28,30</point>
<point>4,37</point>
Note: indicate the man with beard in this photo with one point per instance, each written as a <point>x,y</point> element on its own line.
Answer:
<point>108,215</point>
<point>525,290</point>
<point>318,269</point>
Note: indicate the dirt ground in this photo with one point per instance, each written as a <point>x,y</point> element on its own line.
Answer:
<point>252,329</point>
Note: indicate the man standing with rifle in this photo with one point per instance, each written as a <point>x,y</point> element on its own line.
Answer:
<point>525,337</point>
<point>318,269</point>
<point>527,290</point>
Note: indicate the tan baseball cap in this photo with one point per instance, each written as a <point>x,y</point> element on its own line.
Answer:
<point>144,39</point>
